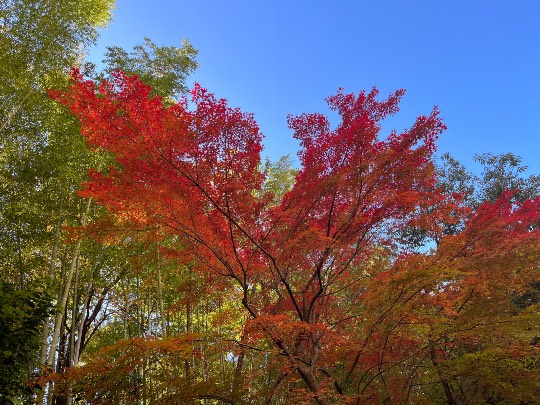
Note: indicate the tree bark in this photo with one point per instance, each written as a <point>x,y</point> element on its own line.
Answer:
<point>237,382</point>
<point>45,328</point>
<point>307,374</point>
<point>61,308</point>
<point>160,299</point>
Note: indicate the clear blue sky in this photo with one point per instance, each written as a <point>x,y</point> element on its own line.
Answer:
<point>478,60</point>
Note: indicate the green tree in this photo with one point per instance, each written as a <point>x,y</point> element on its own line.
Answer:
<point>453,177</point>
<point>279,177</point>
<point>165,68</point>
<point>505,172</point>
<point>43,159</point>
<point>21,315</point>
<point>40,41</point>
<point>499,173</point>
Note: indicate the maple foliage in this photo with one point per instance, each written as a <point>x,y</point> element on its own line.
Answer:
<point>116,373</point>
<point>329,288</point>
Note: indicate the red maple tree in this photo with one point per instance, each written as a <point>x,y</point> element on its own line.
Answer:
<point>324,276</point>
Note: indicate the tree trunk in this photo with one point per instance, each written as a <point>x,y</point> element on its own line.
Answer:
<point>160,299</point>
<point>61,308</point>
<point>237,382</point>
<point>308,376</point>
<point>81,330</point>
<point>447,390</point>
<point>187,364</point>
<point>45,329</point>
<point>125,333</point>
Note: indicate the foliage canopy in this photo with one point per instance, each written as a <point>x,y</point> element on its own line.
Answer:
<point>329,287</point>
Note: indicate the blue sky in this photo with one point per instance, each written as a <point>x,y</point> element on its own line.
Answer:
<point>477,60</point>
